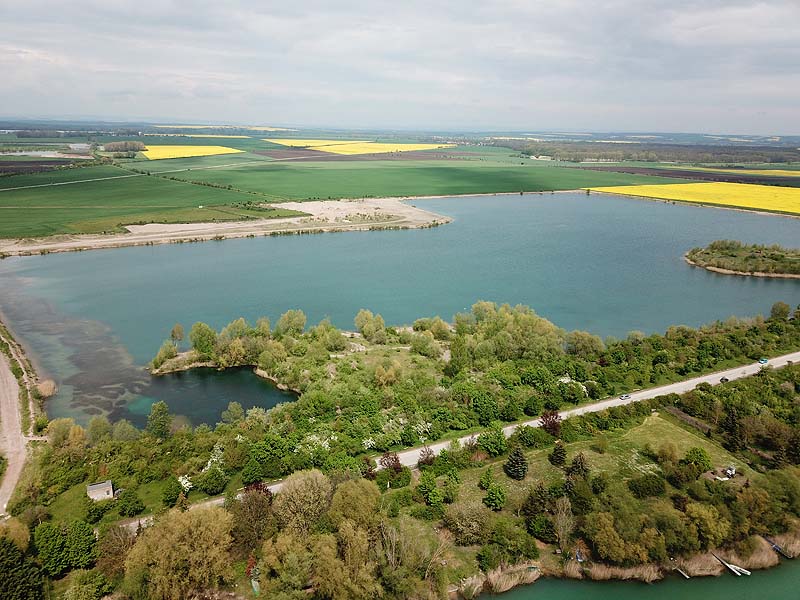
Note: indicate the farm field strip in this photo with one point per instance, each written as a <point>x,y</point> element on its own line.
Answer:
<point>40,185</point>
<point>769,172</point>
<point>159,152</point>
<point>200,135</point>
<point>305,143</point>
<point>735,195</point>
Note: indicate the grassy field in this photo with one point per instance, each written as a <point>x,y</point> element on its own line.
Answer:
<point>623,459</point>
<point>104,205</point>
<point>355,179</point>
<point>736,195</point>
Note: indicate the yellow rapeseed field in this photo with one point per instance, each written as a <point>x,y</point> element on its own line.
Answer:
<point>378,148</point>
<point>352,147</point>
<point>159,152</point>
<point>739,195</point>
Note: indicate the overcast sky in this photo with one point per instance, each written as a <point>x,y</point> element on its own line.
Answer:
<point>729,66</point>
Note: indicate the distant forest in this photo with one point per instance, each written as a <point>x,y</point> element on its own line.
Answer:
<point>581,151</point>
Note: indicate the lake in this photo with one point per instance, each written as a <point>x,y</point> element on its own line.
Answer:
<point>606,264</point>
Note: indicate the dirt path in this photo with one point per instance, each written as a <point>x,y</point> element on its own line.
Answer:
<point>12,442</point>
<point>325,215</point>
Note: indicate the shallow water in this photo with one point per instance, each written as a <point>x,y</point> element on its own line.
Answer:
<point>780,583</point>
<point>601,263</point>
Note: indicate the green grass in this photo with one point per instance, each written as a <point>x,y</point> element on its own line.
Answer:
<point>104,206</point>
<point>623,459</point>
<point>350,179</point>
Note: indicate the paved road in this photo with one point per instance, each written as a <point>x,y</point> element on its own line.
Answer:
<point>12,442</point>
<point>411,456</point>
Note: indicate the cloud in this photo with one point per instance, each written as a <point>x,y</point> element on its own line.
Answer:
<point>686,65</point>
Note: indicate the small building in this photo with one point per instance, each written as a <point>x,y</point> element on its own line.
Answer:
<point>100,491</point>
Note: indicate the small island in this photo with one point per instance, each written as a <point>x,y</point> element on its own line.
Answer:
<point>731,257</point>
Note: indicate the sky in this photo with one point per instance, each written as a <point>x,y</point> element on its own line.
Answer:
<point>710,66</point>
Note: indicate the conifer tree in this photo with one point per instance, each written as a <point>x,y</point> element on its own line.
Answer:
<point>516,466</point>
<point>559,455</point>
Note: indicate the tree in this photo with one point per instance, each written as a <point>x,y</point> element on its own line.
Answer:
<point>233,414</point>
<point>357,501</point>
<point>516,466</point>
<point>20,578</point>
<point>112,550</point>
<point>129,504</point>
<point>559,455</point>
<point>182,552</point>
<point>98,429</point>
<point>780,311</point>
<point>251,472</point>
<point>176,335</point>
<point>88,585</point>
<point>712,529</point>
<point>80,545</point>
<point>493,441</point>
<point>167,351</point>
<point>252,519</point>
<point>699,457</point>
<point>459,356</point>
<point>203,340</point>
<point>578,467</point>
<point>468,522</point>
<point>551,422</point>
<point>495,497</point>
<point>159,421</point>
<point>48,538</point>
<point>291,323</point>
<point>172,490</point>
<point>304,498</point>
<point>487,479</point>
<point>213,481</point>
<point>563,521</point>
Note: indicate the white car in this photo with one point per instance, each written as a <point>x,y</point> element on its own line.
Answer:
<point>625,397</point>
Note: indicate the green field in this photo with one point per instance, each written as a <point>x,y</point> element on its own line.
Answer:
<point>354,179</point>
<point>101,199</point>
<point>104,205</point>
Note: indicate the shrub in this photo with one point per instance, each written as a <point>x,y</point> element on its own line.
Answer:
<point>647,485</point>
<point>487,479</point>
<point>467,522</point>
<point>495,497</point>
<point>493,441</point>
<point>213,481</point>
<point>129,504</point>
<point>532,437</point>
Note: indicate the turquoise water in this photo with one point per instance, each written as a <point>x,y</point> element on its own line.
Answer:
<point>780,583</point>
<point>601,263</point>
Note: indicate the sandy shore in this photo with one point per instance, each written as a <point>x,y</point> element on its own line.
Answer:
<point>324,216</point>
<point>741,273</point>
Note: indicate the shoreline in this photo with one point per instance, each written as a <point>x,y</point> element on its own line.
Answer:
<point>740,273</point>
<point>766,213</point>
<point>152,234</point>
